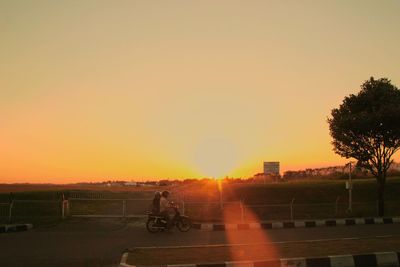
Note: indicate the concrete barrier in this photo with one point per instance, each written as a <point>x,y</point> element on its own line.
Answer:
<point>295,224</point>
<point>379,259</point>
<point>9,228</point>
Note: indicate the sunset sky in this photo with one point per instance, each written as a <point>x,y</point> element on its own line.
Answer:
<point>95,90</point>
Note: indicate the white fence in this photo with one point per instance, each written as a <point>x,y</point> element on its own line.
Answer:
<point>103,207</point>
<point>137,208</point>
<point>241,211</point>
<point>5,211</point>
<point>17,209</point>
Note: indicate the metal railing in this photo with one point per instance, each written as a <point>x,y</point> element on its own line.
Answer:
<point>21,209</point>
<point>5,211</point>
<point>106,207</point>
<point>201,211</point>
<point>18,209</point>
<point>241,211</point>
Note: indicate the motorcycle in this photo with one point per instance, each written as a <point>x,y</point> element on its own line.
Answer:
<point>156,223</point>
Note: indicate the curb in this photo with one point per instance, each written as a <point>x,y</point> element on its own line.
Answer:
<point>295,224</point>
<point>9,228</point>
<point>378,259</point>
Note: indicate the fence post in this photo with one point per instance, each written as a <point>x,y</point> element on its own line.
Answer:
<point>124,208</point>
<point>183,203</point>
<point>183,207</point>
<point>67,207</point>
<point>241,211</point>
<point>291,209</point>
<point>62,206</point>
<point>11,204</point>
<point>336,205</point>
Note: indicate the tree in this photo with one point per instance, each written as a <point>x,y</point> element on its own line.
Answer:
<point>366,127</point>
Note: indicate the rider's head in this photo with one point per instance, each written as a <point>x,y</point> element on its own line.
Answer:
<point>157,195</point>
<point>165,194</point>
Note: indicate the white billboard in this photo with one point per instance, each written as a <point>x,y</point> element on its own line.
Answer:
<point>271,167</point>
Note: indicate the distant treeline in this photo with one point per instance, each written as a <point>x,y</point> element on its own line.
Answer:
<point>336,172</point>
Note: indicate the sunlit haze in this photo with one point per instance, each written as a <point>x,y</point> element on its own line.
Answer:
<point>96,90</point>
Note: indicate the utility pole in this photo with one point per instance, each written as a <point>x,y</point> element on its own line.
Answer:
<point>350,188</point>
<point>221,202</point>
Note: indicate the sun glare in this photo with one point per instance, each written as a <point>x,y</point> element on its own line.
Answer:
<point>215,158</point>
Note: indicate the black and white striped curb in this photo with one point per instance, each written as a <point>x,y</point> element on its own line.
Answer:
<point>379,259</point>
<point>8,228</point>
<point>294,224</point>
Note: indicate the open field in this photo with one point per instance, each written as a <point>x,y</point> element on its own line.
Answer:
<point>259,252</point>
<point>241,201</point>
<point>308,191</point>
<point>42,204</point>
<point>311,199</point>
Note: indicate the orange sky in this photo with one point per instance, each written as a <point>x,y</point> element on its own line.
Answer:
<point>95,90</point>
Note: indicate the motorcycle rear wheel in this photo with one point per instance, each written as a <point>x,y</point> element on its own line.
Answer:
<point>151,226</point>
<point>184,224</point>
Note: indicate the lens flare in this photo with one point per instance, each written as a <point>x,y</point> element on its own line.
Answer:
<point>240,213</point>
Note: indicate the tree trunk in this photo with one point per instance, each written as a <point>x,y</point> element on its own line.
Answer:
<point>381,200</point>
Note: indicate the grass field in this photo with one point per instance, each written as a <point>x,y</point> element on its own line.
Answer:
<point>42,203</point>
<point>310,191</point>
<point>312,199</point>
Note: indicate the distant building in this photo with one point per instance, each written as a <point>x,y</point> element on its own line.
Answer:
<point>132,183</point>
<point>271,172</point>
<point>271,168</point>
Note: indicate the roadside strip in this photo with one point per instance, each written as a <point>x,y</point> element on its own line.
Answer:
<point>295,224</point>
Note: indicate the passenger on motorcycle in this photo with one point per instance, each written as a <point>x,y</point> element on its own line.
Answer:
<point>165,208</point>
<point>155,208</point>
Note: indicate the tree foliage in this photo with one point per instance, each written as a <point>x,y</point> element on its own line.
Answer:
<point>366,127</point>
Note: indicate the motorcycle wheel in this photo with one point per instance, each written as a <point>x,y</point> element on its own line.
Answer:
<point>184,224</point>
<point>151,226</point>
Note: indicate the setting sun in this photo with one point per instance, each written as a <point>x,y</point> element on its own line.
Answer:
<point>215,157</point>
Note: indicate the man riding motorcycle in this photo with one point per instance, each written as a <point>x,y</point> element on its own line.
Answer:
<point>165,215</point>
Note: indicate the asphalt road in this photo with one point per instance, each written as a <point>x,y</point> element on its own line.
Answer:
<point>101,243</point>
